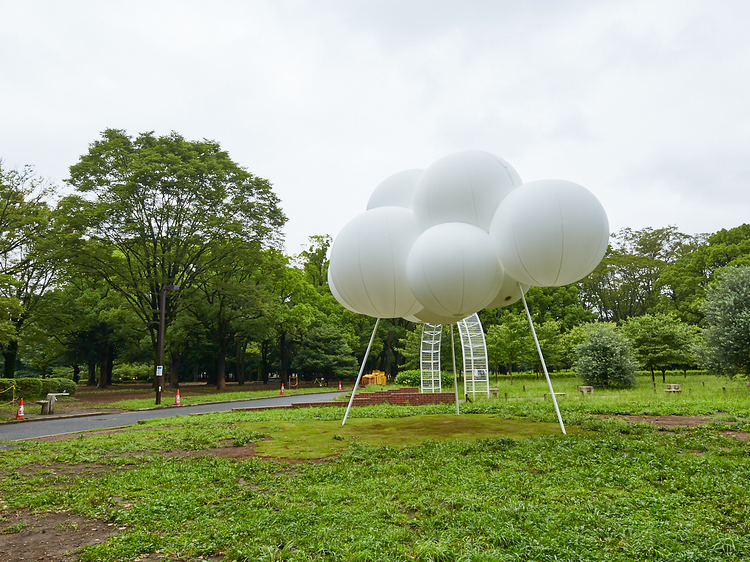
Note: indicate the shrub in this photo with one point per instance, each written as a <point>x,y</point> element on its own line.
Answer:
<point>127,372</point>
<point>414,378</point>
<point>606,357</point>
<point>34,389</point>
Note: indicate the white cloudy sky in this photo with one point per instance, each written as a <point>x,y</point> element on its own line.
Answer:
<point>646,103</point>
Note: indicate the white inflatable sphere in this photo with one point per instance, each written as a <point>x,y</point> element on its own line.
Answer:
<point>508,294</point>
<point>453,270</point>
<point>337,295</point>
<point>368,263</point>
<point>429,317</point>
<point>463,187</point>
<point>396,190</point>
<point>550,233</point>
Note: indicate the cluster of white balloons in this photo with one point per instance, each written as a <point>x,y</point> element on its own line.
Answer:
<point>440,244</point>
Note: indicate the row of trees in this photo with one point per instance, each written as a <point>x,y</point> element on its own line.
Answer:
<point>81,275</point>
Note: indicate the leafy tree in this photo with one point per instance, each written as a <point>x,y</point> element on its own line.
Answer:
<point>727,334</point>
<point>153,211</point>
<point>323,351</point>
<point>661,340</point>
<point>510,342</point>
<point>606,358</point>
<point>683,284</point>
<point>28,261</point>
<point>624,284</point>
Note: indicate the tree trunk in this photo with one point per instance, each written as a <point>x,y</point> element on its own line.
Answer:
<point>102,373</point>
<point>10,354</point>
<point>92,373</point>
<point>221,383</point>
<point>653,379</point>
<point>664,375</point>
<point>76,373</point>
<point>195,372</point>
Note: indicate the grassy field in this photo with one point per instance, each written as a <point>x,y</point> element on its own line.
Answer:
<point>497,483</point>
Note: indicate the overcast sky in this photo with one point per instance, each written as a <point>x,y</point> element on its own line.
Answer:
<point>647,104</point>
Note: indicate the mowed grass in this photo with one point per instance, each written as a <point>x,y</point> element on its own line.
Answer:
<point>320,439</point>
<point>497,483</point>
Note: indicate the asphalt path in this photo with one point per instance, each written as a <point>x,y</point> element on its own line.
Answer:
<point>73,424</point>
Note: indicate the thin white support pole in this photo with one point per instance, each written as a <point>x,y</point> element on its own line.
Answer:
<point>541,357</point>
<point>361,370</point>
<point>455,377</point>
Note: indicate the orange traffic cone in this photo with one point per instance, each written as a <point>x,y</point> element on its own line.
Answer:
<point>282,389</point>
<point>19,413</point>
<point>177,398</point>
<point>339,385</point>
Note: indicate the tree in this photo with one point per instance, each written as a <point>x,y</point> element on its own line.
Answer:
<point>154,211</point>
<point>28,261</point>
<point>606,358</point>
<point>624,284</point>
<point>683,284</point>
<point>727,335</point>
<point>323,351</point>
<point>510,342</point>
<point>661,340</point>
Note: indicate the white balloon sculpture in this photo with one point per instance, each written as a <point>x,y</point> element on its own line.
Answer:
<point>440,244</point>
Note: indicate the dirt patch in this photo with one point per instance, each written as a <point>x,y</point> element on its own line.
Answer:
<point>26,536</point>
<point>741,435</point>
<point>666,421</point>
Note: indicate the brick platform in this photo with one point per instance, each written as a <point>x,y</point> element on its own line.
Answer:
<point>399,396</point>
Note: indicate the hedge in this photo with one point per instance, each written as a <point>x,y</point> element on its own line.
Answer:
<point>34,389</point>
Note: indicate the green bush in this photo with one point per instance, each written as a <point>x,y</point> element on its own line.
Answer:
<point>34,389</point>
<point>606,357</point>
<point>414,378</point>
<point>128,372</point>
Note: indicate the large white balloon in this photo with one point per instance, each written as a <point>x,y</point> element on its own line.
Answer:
<point>396,190</point>
<point>337,295</point>
<point>550,233</point>
<point>508,294</point>
<point>453,270</point>
<point>463,187</point>
<point>426,316</point>
<point>368,263</point>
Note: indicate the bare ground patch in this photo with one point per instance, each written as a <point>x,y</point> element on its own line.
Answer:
<point>26,536</point>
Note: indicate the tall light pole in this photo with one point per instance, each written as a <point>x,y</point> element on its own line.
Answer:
<point>160,342</point>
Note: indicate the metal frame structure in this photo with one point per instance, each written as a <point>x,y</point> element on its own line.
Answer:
<point>430,357</point>
<point>474,346</point>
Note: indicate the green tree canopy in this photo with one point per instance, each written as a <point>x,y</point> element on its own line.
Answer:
<point>727,333</point>
<point>606,358</point>
<point>661,340</point>
<point>151,211</point>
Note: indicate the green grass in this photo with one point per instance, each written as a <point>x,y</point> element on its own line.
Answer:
<point>413,483</point>
<point>319,439</point>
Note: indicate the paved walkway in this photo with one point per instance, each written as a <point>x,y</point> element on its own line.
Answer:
<point>58,424</point>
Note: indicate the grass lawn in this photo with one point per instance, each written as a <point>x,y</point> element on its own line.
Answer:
<point>497,483</point>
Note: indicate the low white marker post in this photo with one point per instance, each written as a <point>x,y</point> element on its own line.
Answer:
<point>455,377</point>
<point>361,370</point>
<point>541,357</point>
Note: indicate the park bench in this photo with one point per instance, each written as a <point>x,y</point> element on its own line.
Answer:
<point>48,405</point>
<point>557,394</point>
<point>494,391</point>
<point>673,388</point>
<point>586,389</point>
